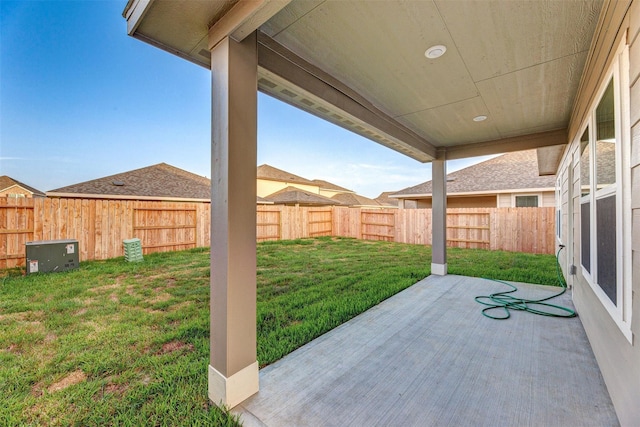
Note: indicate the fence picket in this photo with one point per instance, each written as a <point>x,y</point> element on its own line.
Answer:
<point>101,225</point>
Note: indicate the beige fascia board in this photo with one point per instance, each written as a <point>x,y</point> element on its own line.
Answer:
<point>475,193</point>
<point>134,12</point>
<point>184,55</point>
<point>337,191</point>
<point>507,145</point>
<point>245,17</point>
<point>602,52</point>
<point>291,79</point>
<point>310,183</point>
<point>549,159</point>
<point>575,118</point>
<point>122,197</point>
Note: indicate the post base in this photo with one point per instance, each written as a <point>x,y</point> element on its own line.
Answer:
<point>234,390</point>
<point>439,269</point>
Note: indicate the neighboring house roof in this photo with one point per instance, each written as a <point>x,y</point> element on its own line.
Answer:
<point>384,199</point>
<point>293,195</point>
<point>352,199</point>
<point>263,201</point>
<point>511,171</point>
<point>274,174</point>
<point>7,182</point>
<point>326,185</point>
<point>161,181</point>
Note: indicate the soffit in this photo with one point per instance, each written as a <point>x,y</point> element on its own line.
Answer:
<point>377,48</point>
<point>182,26</point>
<point>519,63</point>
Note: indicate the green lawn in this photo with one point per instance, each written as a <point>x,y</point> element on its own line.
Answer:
<point>117,343</point>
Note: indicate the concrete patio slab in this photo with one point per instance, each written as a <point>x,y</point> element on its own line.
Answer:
<point>427,357</point>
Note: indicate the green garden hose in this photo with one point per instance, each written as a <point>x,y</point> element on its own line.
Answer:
<point>536,306</point>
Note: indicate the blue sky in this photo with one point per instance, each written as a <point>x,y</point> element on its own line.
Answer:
<point>79,100</point>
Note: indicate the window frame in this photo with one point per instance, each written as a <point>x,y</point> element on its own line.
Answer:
<point>516,195</point>
<point>559,180</point>
<point>620,311</point>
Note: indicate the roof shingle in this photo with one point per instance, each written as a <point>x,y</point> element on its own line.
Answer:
<point>326,185</point>
<point>161,181</point>
<point>294,195</point>
<point>352,199</point>
<point>274,174</point>
<point>511,171</point>
<point>384,199</point>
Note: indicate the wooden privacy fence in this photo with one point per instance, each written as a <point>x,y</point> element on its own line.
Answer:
<point>378,225</point>
<point>529,230</point>
<point>165,227</point>
<point>100,226</point>
<point>16,228</point>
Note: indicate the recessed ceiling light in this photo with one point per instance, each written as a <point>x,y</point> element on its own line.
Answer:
<point>479,118</point>
<point>435,51</point>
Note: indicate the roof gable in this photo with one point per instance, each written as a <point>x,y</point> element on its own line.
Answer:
<point>384,199</point>
<point>6,182</point>
<point>511,171</point>
<point>326,185</point>
<point>294,195</point>
<point>270,173</point>
<point>352,199</point>
<point>160,181</point>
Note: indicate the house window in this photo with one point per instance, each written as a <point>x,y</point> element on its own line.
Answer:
<point>605,192</point>
<point>16,196</point>
<point>604,229</point>
<point>598,203</point>
<point>526,201</point>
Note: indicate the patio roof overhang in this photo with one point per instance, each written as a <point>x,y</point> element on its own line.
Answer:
<point>362,65</point>
<point>507,81</point>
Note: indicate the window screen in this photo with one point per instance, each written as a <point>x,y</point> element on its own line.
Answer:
<point>606,235</point>
<point>526,201</point>
<point>605,160</point>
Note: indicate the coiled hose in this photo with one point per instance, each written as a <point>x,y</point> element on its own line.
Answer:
<point>502,300</point>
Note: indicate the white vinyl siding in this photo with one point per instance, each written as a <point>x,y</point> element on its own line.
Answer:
<point>548,199</point>
<point>504,200</point>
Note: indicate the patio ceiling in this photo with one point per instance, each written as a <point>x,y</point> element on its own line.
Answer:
<point>362,64</point>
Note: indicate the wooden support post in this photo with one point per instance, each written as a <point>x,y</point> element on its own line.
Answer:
<point>233,368</point>
<point>439,219</point>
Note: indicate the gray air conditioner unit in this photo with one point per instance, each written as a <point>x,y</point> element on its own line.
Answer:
<point>52,255</point>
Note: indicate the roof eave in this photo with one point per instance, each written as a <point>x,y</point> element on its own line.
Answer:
<point>123,197</point>
<point>549,159</point>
